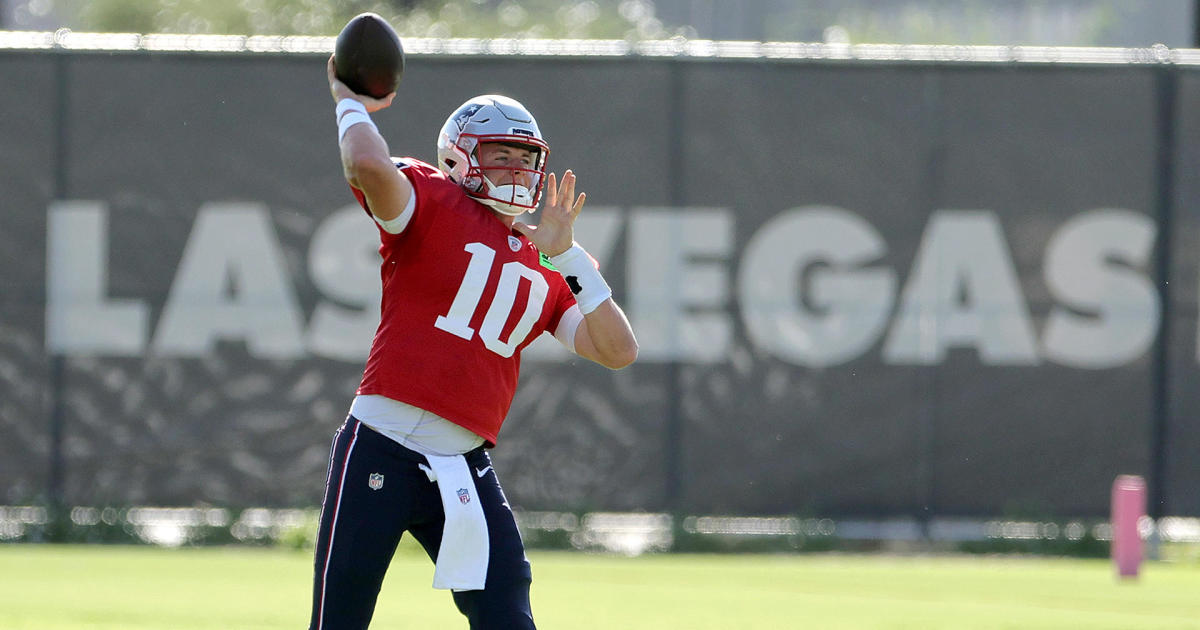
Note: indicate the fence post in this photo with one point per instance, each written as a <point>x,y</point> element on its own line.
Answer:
<point>1165,172</point>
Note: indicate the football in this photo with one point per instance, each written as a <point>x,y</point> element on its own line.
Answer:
<point>368,57</point>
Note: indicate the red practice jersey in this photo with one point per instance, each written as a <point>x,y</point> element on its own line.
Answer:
<point>463,294</point>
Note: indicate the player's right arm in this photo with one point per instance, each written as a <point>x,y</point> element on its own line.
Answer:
<point>366,162</point>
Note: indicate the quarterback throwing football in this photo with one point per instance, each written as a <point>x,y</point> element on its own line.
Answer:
<point>465,288</point>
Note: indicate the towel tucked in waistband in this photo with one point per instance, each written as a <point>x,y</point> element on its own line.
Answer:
<point>462,560</point>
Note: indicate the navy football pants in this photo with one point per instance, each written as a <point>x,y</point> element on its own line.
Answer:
<point>361,526</point>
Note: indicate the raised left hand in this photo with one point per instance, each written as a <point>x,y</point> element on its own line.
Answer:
<point>555,233</point>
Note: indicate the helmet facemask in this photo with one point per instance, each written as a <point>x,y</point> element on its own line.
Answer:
<point>521,194</point>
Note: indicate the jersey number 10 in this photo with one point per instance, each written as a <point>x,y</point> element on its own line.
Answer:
<point>458,320</point>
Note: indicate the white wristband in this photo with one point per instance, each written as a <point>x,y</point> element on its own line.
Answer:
<point>582,277</point>
<point>349,113</point>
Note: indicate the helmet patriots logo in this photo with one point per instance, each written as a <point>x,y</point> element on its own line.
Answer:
<point>464,114</point>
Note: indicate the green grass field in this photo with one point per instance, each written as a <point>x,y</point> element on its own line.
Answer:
<point>141,588</point>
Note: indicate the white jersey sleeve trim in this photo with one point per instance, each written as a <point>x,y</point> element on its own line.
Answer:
<point>397,225</point>
<point>568,325</point>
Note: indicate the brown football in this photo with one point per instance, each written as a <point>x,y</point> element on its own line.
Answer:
<point>368,57</point>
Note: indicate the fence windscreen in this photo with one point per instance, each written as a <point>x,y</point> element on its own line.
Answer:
<point>859,289</point>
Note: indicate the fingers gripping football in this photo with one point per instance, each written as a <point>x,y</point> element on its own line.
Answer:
<point>341,91</point>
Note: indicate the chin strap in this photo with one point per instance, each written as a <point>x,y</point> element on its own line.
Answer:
<point>502,198</point>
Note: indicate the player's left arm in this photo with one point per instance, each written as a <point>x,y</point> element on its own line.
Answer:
<point>604,335</point>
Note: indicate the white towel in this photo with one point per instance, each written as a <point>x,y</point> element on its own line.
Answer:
<point>463,556</point>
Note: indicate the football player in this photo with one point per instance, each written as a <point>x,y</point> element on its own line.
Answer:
<point>466,286</point>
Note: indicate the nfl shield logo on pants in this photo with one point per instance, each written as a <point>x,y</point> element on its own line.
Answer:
<point>464,497</point>
<point>375,481</point>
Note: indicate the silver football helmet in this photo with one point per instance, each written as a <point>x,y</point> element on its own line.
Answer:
<point>492,118</point>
